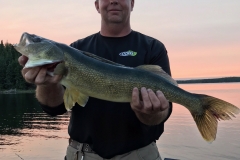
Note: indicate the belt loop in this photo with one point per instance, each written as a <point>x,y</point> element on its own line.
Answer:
<point>79,147</point>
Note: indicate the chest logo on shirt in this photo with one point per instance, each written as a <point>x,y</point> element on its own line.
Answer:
<point>128,53</point>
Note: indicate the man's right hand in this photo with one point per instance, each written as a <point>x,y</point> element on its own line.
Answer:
<point>37,75</point>
<point>49,91</point>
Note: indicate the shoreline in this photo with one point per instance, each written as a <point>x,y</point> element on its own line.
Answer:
<point>210,80</point>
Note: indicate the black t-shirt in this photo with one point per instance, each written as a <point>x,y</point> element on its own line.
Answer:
<point>112,128</point>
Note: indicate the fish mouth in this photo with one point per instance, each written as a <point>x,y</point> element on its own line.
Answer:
<point>50,65</point>
<point>27,39</point>
<point>41,52</point>
<point>42,62</point>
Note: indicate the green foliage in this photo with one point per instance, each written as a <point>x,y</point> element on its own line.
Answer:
<point>10,70</point>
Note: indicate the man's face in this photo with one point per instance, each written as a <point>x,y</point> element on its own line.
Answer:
<point>114,11</point>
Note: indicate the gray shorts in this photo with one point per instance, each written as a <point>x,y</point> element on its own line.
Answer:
<point>149,152</point>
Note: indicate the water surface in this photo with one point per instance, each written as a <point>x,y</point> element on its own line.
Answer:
<point>27,132</point>
<point>182,139</point>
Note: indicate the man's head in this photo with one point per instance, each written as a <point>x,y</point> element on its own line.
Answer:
<point>115,11</point>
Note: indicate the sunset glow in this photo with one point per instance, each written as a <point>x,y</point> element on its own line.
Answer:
<point>202,37</point>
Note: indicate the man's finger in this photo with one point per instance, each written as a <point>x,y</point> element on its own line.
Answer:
<point>163,100</point>
<point>135,98</point>
<point>156,103</point>
<point>22,60</point>
<point>31,74</point>
<point>146,100</point>
<point>41,76</point>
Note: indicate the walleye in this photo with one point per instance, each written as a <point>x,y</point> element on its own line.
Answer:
<point>85,74</point>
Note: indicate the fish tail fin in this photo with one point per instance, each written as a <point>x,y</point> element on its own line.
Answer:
<point>214,110</point>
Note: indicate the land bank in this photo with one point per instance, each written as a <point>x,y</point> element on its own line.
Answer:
<point>210,80</point>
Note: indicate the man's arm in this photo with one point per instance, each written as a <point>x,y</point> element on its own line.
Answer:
<point>50,95</point>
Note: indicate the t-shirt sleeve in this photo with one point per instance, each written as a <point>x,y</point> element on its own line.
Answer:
<point>159,56</point>
<point>54,111</point>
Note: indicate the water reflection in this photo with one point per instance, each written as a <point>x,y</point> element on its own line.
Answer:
<point>182,140</point>
<point>21,115</point>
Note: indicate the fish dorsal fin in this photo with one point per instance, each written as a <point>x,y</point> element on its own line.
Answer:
<point>159,71</point>
<point>101,59</point>
<point>71,96</point>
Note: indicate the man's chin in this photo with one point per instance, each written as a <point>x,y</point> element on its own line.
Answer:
<point>115,19</point>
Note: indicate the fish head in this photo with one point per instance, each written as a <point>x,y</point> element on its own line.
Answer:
<point>40,51</point>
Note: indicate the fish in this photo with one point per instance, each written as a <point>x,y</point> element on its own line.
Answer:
<point>87,75</point>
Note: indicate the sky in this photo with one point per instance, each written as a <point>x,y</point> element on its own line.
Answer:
<point>202,37</point>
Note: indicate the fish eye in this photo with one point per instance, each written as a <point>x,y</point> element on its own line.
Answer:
<point>36,39</point>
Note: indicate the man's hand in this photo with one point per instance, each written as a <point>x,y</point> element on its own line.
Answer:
<point>152,109</point>
<point>49,91</point>
<point>37,75</point>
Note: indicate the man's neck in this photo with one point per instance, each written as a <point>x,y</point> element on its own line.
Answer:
<point>115,30</point>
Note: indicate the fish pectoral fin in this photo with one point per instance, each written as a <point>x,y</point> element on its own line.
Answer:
<point>82,99</point>
<point>68,99</point>
<point>159,71</point>
<point>71,96</point>
<point>101,59</point>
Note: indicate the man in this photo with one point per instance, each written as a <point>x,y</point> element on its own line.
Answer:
<point>109,130</point>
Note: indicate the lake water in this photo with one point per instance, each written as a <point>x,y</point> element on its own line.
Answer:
<point>26,132</point>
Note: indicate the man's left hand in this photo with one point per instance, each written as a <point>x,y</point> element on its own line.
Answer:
<point>152,108</point>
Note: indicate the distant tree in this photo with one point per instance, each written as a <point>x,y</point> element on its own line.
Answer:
<point>2,72</point>
<point>1,47</point>
<point>20,83</point>
<point>8,54</point>
<point>10,77</point>
<point>10,70</point>
<point>2,66</point>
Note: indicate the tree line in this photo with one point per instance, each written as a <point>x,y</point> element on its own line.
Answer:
<point>212,80</point>
<point>10,70</point>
